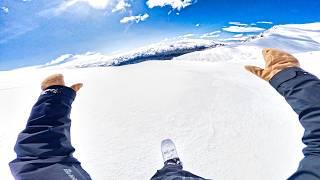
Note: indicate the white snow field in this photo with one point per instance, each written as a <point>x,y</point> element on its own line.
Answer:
<point>226,123</point>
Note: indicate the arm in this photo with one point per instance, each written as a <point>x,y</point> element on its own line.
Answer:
<point>44,147</point>
<point>302,92</point>
<point>47,133</point>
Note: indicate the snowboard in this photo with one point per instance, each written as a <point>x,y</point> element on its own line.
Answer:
<point>169,151</point>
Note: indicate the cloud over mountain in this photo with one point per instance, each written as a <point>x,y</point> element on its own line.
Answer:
<point>175,4</point>
<point>122,5</point>
<point>136,19</point>
<point>240,29</point>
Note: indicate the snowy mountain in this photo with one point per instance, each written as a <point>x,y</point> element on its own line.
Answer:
<point>226,123</point>
<point>293,38</point>
<point>161,51</point>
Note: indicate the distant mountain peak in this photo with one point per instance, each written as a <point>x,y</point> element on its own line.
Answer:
<point>292,37</point>
<point>164,50</point>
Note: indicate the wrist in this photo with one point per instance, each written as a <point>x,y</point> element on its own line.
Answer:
<point>59,90</point>
<point>285,75</point>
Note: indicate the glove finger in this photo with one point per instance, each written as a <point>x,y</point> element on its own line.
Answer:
<point>255,70</point>
<point>76,87</point>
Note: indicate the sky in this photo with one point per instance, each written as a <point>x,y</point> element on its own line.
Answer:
<point>34,32</point>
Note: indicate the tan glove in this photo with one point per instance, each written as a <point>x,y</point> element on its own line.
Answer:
<point>57,79</point>
<point>276,60</point>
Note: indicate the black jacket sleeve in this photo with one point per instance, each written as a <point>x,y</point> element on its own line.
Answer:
<point>302,91</point>
<point>44,147</point>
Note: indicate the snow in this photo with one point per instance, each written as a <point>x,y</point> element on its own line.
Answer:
<point>225,122</point>
<point>294,38</point>
<point>162,50</point>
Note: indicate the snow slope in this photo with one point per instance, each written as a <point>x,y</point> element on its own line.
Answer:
<point>294,38</point>
<point>226,123</point>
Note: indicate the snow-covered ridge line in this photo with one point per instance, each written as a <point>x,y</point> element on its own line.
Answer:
<point>161,51</point>
<point>294,38</point>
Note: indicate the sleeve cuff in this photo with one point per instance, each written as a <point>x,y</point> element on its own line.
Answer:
<point>285,75</point>
<point>60,90</point>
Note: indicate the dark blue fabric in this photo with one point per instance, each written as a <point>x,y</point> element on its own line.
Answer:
<point>174,172</point>
<point>302,91</point>
<point>43,148</point>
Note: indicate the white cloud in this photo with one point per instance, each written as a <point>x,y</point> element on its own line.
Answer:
<point>59,9</point>
<point>5,10</point>
<point>116,5</point>
<point>188,35</point>
<point>209,35</point>
<point>175,4</point>
<point>238,35</point>
<point>238,23</point>
<point>136,19</point>
<point>122,5</point>
<point>197,25</point>
<point>213,34</point>
<point>239,29</point>
<point>97,4</point>
<point>265,22</point>
<point>74,6</point>
<point>65,5</point>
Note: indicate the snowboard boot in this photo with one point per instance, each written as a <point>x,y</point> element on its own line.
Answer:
<point>169,153</point>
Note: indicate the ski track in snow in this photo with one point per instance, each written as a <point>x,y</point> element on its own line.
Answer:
<point>225,122</point>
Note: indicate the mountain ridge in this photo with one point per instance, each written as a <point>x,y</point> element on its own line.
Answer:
<point>294,38</point>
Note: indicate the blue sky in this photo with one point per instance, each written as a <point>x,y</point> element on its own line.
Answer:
<point>37,31</point>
